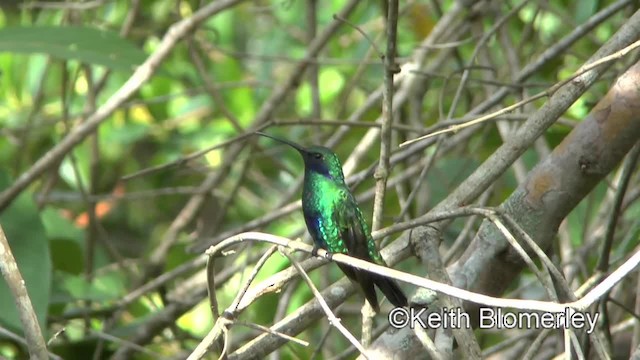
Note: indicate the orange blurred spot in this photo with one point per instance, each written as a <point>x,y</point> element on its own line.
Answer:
<point>102,208</point>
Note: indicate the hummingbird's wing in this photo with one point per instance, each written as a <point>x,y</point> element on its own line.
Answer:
<point>347,216</point>
<point>349,220</point>
<point>358,243</point>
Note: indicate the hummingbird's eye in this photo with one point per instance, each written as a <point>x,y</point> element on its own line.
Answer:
<point>317,155</point>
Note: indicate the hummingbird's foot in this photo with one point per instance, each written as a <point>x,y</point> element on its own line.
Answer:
<point>314,252</point>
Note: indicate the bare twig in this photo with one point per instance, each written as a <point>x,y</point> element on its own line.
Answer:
<point>11,274</point>
<point>382,171</point>
<point>549,92</point>
<point>139,77</point>
<point>333,320</point>
<point>625,177</point>
<point>581,304</point>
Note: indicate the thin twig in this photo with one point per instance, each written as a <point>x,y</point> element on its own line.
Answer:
<point>271,331</point>
<point>579,305</point>
<point>333,320</point>
<point>382,171</point>
<point>139,77</point>
<point>11,274</point>
<point>362,32</point>
<point>625,177</point>
<point>552,90</point>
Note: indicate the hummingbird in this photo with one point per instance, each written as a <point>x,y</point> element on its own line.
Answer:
<point>336,223</point>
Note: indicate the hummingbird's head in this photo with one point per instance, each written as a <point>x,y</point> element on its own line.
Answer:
<point>322,160</point>
<point>317,159</point>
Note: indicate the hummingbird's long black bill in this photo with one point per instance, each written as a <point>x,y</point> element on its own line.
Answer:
<point>284,141</point>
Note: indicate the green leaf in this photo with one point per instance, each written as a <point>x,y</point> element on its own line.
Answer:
<point>66,242</point>
<point>86,44</point>
<point>68,173</point>
<point>27,239</point>
<point>585,9</point>
<point>103,288</point>
<point>67,255</point>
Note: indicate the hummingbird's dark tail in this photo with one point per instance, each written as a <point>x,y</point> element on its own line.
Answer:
<point>391,290</point>
<point>367,280</point>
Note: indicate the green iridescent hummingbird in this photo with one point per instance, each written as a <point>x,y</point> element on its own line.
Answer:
<point>335,221</point>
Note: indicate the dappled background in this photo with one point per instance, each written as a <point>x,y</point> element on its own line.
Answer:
<point>127,150</point>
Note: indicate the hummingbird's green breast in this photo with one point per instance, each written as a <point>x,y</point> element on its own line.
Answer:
<point>320,198</point>
<point>334,218</point>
